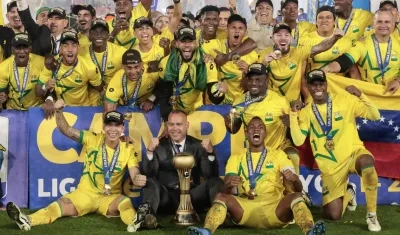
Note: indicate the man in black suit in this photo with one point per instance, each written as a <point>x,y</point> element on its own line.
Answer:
<point>162,188</point>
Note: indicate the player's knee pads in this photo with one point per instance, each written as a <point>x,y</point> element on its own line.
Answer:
<point>296,201</point>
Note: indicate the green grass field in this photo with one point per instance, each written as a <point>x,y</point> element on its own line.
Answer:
<point>353,223</point>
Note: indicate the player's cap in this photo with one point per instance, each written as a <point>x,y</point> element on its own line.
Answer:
<point>114,116</point>
<point>42,9</point>
<point>316,75</point>
<point>269,2</point>
<point>139,22</point>
<point>280,26</point>
<point>11,5</point>
<point>77,8</point>
<point>131,56</point>
<point>285,2</point>
<point>58,11</point>
<point>100,23</point>
<point>236,17</point>
<point>69,35</point>
<point>326,8</point>
<point>392,2</point>
<point>186,33</point>
<point>257,68</point>
<point>21,39</point>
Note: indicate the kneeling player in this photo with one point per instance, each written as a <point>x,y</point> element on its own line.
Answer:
<point>99,189</point>
<point>261,203</point>
<point>330,119</point>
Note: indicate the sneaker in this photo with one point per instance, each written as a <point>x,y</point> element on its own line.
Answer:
<point>319,228</point>
<point>351,188</point>
<point>198,231</point>
<point>150,222</point>
<point>136,224</point>
<point>307,198</point>
<point>18,217</point>
<point>373,223</point>
<point>292,221</point>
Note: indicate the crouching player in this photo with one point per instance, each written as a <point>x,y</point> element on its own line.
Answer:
<point>99,189</point>
<point>260,202</point>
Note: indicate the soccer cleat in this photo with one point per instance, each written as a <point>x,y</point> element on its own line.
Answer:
<point>351,188</point>
<point>373,223</point>
<point>136,224</point>
<point>18,217</point>
<point>198,231</point>
<point>307,198</point>
<point>319,228</point>
<point>292,221</point>
<point>150,222</point>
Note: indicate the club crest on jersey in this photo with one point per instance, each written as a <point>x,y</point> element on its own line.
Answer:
<point>338,116</point>
<point>394,57</point>
<point>269,117</point>
<point>355,29</point>
<point>78,79</point>
<point>335,50</point>
<point>292,65</point>
<point>110,66</point>
<point>269,165</point>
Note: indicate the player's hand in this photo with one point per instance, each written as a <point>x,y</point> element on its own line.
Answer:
<point>48,108</point>
<point>285,118</point>
<point>353,90</point>
<point>221,58</point>
<point>222,87</point>
<point>289,175</point>
<point>121,25</point>
<point>3,97</point>
<point>206,143</point>
<point>297,103</point>
<point>50,63</point>
<point>208,58</point>
<point>232,181</point>
<point>153,66</point>
<point>146,105</point>
<point>139,180</point>
<point>392,87</point>
<point>165,43</point>
<point>270,57</point>
<point>50,84</point>
<point>242,65</point>
<point>154,142</point>
<point>338,33</point>
<point>59,104</point>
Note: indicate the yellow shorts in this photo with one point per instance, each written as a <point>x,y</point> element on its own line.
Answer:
<point>334,184</point>
<point>260,213</point>
<point>88,202</point>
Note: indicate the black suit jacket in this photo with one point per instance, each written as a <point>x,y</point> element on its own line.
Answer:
<point>161,167</point>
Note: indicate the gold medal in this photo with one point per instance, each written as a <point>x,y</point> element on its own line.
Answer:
<point>330,145</point>
<point>128,117</point>
<point>383,81</point>
<point>173,99</point>
<point>107,189</point>
<point>252,194</point>
<point>235,58</point>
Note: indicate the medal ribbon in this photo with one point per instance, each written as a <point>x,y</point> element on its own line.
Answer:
<point>103,66</point>
<point>66,74</point>
<point>382,66</point>
<point>132,101</point>
<point>295,41</point>
<point>25,81</point>
<point>347,24</point>
<point>180,84</point>
<point>253,175</point>
<point>108,170</point>
<point>326,128</point>
<point>248,101</point>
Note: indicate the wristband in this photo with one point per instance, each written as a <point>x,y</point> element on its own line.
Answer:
<point>49,98</point>
<point>152,98</point>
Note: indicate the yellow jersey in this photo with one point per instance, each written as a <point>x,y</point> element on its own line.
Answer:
<point>221,34</point>
<point>301,31</point>
<point>345,109</point>
<point>269,109</point>
<point>356,24</point>
<point>27,98</point>
<point>269,184</point>
<point>285,74</point>
<point>321,60</point>
<point>115,91</point>
<point>229,72</point>
<point>83,40</point>
<point>190,98</point>
<point>73,81</point>
<point>363,54</point>
<point>126,38</point>
<point>92,179</point>
<point>1,54</point>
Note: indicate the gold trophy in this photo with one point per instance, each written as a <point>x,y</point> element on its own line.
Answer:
<point>185,215</point>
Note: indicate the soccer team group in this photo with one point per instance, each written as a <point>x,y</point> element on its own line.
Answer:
<point>274,74</point>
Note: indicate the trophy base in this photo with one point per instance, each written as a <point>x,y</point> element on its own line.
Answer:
<point>186,218</point>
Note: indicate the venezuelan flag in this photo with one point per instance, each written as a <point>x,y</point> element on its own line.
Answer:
<point>382,137</point>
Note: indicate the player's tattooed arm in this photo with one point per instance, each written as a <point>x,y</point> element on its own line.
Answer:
<point>327,43</point>
<point>65,128</point>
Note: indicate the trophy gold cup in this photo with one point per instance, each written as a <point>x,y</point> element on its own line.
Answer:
<point>185,215</point>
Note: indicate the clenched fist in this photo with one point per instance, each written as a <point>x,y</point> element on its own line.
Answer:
<point>207,145</point>
<point>59,104</point>
<point>154,142</point>
<point>139,180</point>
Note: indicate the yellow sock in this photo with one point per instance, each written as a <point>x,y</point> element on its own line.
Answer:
<point>346,199</point>
<point>126,210</point>
<point>215,216</point>
<point>302,215</point>
<point>46,215</point>
<point>370,182</point>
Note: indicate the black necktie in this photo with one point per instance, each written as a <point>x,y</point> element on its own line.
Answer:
<point>178,148</point>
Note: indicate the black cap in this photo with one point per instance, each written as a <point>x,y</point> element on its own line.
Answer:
<point>11,5</point>
<point>69,35</point>
<point>186,33</point>
<point>57,11</point>
<point>257,68</point>
<point>326,8</point>
<point>99,23</point>
<point>392,2</point>
<point>269,2</point>
<point>131,56</point>
<point>21,39</point>
<point>285,2</point>
<point>77,8</point>
<point>139,22</point>
<point>114,116</point>
<point>280,26</point>
<point>236,17</point>
<point>315,75</point>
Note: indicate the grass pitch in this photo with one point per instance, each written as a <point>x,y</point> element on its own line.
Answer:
<point>353,223</point>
